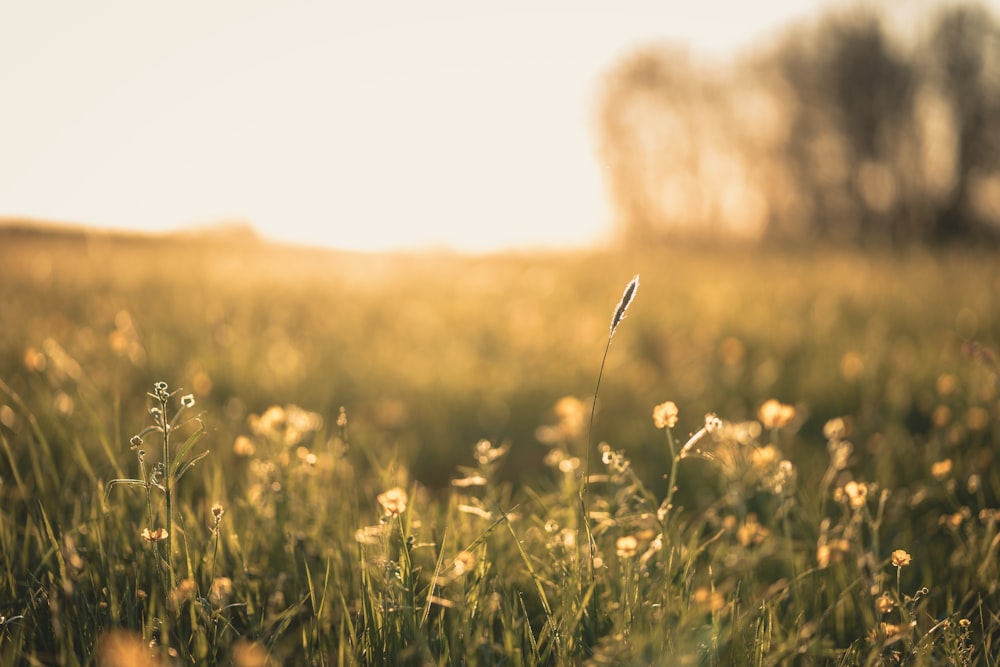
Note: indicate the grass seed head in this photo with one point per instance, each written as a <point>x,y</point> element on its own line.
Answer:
<point>623,305</point>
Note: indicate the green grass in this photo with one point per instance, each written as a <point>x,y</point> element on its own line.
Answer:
<point>395,450</point>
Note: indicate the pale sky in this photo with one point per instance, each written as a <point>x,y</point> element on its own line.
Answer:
<point>360,125</point>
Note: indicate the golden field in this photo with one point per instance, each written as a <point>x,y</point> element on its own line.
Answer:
<point>466,384</point>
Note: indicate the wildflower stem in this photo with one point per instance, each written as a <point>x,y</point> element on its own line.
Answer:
<point>215,551</point>
<point>626,601</point>
<point>672,480</point>
<point>168,487</point>
<point>148,486</point>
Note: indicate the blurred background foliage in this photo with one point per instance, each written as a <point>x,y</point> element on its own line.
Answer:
<point>840,130</point>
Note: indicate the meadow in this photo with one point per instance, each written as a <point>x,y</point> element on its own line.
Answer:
<point>219,451</point>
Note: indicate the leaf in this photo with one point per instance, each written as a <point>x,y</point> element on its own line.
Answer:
<point>126,482</point>
<point>189,464</point>
<point>185,448</point>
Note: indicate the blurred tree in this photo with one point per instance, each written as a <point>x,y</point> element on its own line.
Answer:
<point>673,141</point>
<point>851,125</point>
<point>963,63</point>
<point>837,132</point>
<point>638,114</point>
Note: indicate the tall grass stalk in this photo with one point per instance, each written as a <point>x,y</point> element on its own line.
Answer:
<point>627,296</point>
<point>619,314</point>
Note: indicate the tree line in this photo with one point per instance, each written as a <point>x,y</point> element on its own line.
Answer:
<point>838,131</point>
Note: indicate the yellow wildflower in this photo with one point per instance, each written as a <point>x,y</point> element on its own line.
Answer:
<point>941,469</point>
<point>626,546</point>
<point>250,654</point>
<point>123,648</point>
<point>775,414</point>
<point>708,599</point>
<point>835,429</point>
<point>946,384</point>
<point>464,562</point>
<point>393,501</point>
<point>941,416</point>
<point>751,532</point>
<point>856,494</point>
<point>572,415</point>
<point>763,457</point>
<point>221,590</point>
<point>185,591</point>
<point>243,446</point>
<point>665,415</point>
<point>900,558</point>
<point>977,418</point>
<point>154,535</point>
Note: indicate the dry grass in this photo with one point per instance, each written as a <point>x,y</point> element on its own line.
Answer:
<point>436,518</point>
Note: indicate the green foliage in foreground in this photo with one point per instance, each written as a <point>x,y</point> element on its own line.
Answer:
<point>775,535</point>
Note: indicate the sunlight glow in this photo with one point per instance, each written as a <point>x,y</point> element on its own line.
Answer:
<point>345,125</point>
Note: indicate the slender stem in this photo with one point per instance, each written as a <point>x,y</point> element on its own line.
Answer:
<point>149,491</point>
<point>168,489</point>
<point>616,319</point>
<point>585,488</point>
<point>215,553</point>
<point>152,522</point>
<point>672,480</point>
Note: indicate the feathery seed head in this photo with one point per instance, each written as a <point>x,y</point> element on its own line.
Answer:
<point>623,305</point>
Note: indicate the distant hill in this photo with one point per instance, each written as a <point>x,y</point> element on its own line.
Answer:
<point>238,232</point>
